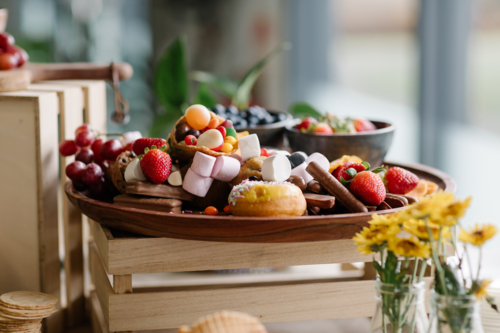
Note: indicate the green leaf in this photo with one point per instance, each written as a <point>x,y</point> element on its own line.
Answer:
<point>225,85</point>
<point>351,172</point>
<point>241,97</point>
<point>379,269</point>
<point>164,122</point>
<point>171,81</point>
<point>204,96</point>
<point>378,170</point>
<point>303,109</point>
<point>345,182</point>
<point>366,165</point>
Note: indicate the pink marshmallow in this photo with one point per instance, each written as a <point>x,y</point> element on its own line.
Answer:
<point>300,171</point>
<point>226,168</point>
<point>238,157</point>
<point>320,159</point>
<point>203,164</point>
<point>196,184</point>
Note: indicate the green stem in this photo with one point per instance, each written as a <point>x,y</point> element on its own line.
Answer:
<point>415,268</point>
<point>435,258</point>
<point>479,266</point>
<point>422,270</point>
<point>468,261</point>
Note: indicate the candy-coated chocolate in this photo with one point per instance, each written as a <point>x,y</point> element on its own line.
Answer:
<point>227,209</point>
<point>197,116</point>
<point>250,147</point>
<point>181,130</point>
<point>230,131</point>
<point>227,123</point>
<point>276,168</point>
<point>296,159</point>
<point>226,147</point>
<point>226,168</point>
<point>196,184</point>
<point>190,140</point>
<point>210,139</point>
<point>222,131</point>
<point>298,181</point>
<point>213,123</point>
<point>211,210</point>
<point>231,140</point>
<point>203,164</point>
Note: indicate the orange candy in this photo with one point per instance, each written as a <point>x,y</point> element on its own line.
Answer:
<point>213,123</point>
<point>227,209</point>
<point>211,210</point>
<point>197,116</point>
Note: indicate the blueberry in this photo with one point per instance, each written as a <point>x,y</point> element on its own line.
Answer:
<point>243,114</point>
<point>266,120</point>
<point>232,109</point>
<point>243,123</point>
<point>253,111</point>
<point>253,120</point>
<point>281,116</point>
<point>219,109</point>
<point>253,178</point>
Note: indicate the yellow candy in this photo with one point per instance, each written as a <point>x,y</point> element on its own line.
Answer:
<point>197,116</point>
<point>231,140</point>
<point>226,148</point>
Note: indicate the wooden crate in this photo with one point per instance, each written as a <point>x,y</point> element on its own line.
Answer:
<point>115,258</point>
<point>35,213</point>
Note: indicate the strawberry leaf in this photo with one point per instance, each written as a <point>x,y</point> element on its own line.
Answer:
<point>345,182</point>
<point>351,172</point>
<point>366,165</point>
<point>377,170</point>
<point>153,147</point>
<point>146,150</point>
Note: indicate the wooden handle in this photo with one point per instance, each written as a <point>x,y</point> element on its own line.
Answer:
<point>77,71</point>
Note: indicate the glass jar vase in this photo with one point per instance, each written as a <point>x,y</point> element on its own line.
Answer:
<point>455,314</point>
<point>400,308</point>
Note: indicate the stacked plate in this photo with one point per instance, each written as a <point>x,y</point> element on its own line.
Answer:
<point>489,317</point>
<point>23,311</point>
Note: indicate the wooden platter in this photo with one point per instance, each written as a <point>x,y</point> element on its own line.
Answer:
<point>239,229</point>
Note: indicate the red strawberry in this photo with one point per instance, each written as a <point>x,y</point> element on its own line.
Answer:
<point>341,170</point>
<point>400,181</point>
<point>306,124</point>
<point>322,128</point>
<point>156,165</point>
<point>142,143</point>
<point>363,125</point>
<point>368,188</point>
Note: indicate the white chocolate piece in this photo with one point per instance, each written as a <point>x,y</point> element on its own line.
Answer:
<point>277,151</point>
<point>175,178</point>
<point>203,164</point>
<point>320,159</point>
<point>130,137</point>
<point>300,171</point>
<point>212,138</point>
<point>226,168</point>
<point>134,171</point>
<point>249,147</point>
<point>196,184</point>
<point>276,168</point>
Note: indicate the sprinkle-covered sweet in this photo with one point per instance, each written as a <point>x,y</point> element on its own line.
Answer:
<point>257,191</point>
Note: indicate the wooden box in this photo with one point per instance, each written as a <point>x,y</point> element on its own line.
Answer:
<point>119,306</point>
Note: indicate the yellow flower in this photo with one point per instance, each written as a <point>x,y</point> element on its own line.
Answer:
<point>366,249</point>
<point>418,228</point>
<point>374,236</point>
<point>481,292</point>
<point>479,235</point>
<point>386,219</point>
<point>409,247</point>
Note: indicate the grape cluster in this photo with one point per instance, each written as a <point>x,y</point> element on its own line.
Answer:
<point>11,56</point>
<point>92,158</point>
<point>252,117</point>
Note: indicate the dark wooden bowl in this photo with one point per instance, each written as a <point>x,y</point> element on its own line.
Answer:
<point>370,146</point>
<point>270,135</point>
<point>223,228</point>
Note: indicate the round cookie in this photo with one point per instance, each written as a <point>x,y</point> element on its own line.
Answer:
<point>269,199</point>
<point>252,167</point>
<point>118,169</point>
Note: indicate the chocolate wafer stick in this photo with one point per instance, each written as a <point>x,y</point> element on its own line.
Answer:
<point>335,188</point>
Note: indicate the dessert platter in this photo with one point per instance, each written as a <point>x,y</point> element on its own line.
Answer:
<point>208,182</point>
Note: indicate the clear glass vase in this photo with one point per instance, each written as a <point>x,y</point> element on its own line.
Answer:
<point>400,308</point>
<point>450,314</point>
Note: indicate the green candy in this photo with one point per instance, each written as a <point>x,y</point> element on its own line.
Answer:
<point>231,132</point>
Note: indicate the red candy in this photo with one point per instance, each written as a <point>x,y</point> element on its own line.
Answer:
<point>227,209</point>
<point>211,210</point>
<point>222,131</point>
<point>190,140</point>
<point>264,152</point>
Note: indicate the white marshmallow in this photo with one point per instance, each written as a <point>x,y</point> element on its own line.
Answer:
<point>130,137</point>
<point>134,171</point>
<point>196,184</point>
<point>276,151</point>
<point>237,156</point>
<point>203,164</point>
<point>300,171</point>
<point>301,153</point>
<point>320,159</point>
<point>175,178</point>
<point>249,147</point>
<point>276,168</point>
<point>226,168</point>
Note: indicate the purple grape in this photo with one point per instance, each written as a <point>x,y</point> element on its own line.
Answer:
<point>79,185</point>
<point>85,155</point>
<point>75,170</point>
<point>92,174</point>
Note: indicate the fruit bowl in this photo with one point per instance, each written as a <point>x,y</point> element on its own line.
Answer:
<point>271,134</point>
<point>371,146</point>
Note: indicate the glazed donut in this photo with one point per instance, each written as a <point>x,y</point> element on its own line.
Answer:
<point>259,198</point>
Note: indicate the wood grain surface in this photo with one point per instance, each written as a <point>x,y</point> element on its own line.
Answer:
<point>239,229</point>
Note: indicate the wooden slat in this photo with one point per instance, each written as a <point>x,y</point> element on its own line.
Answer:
<point>155,255</point>
<point>70,117</point>
<point>122,284</point>
<point>29,251</point>
<point>103,288</point>
<point>97,317</point>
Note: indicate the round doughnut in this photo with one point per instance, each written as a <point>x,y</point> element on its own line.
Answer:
<point>271,199</point>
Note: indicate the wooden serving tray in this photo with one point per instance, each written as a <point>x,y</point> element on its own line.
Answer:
<point>240,229</point>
